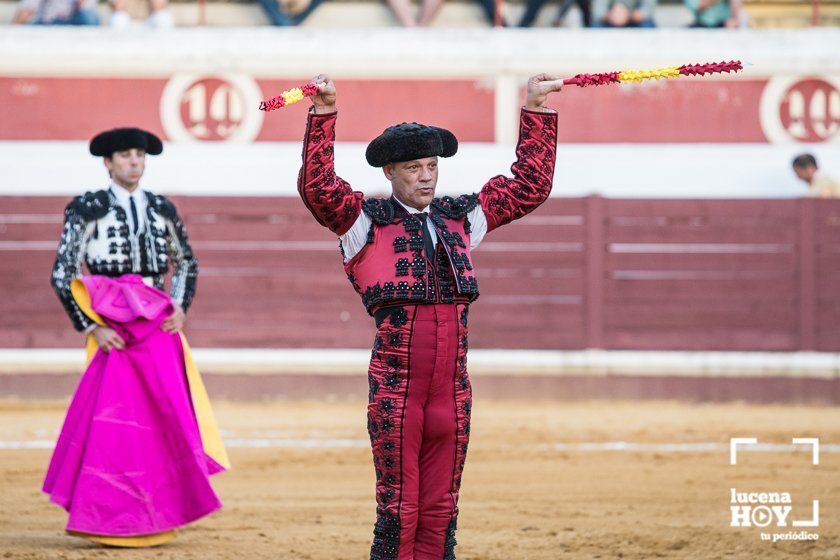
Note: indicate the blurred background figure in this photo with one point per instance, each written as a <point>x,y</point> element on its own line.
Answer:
<point>623,13</point>
<point>532,9</point>
<point>715,13</point>
<point>819,184</point>
<point>57,12</point>
<point>404,12</point>
<point>288,12</point>
<point>128,11</point>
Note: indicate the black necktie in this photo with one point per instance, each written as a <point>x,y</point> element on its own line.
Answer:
<point>427,237</point>
<point>133,213</point>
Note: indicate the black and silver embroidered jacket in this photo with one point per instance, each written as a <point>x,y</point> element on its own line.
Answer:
<point>96,233</point>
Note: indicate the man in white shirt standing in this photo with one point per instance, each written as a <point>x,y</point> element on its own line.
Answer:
<point>408,257</point>
<point>819,184</point>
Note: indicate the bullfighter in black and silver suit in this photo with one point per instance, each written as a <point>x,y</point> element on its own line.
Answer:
<point>124,229</point>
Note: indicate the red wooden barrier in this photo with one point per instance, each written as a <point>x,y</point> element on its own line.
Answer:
<point>701,274</point>
<point>578,273</point>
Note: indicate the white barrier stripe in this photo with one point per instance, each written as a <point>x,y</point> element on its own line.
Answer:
<point>269,169</point>
<point>28,245</point>
<point>739,248</point>
<point>430,53</point>
<point>534,300</point>
<point>706,447</point>
<point>234,443</point>
<point>347,443</point>
<point>507,363</point>
<point>31,218</point>
<point>286,443</point>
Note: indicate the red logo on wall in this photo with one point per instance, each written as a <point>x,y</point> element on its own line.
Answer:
<point>211,108</point>
<point>810,110</point>
<point>801,109</point>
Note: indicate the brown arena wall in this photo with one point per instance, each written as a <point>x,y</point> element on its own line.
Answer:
<point>731,275</point>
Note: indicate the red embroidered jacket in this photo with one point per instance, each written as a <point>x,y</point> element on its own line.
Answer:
<point>382,272</point>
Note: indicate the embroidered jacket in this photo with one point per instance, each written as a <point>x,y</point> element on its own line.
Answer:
<point>96,233</point>
<point>391,268</point>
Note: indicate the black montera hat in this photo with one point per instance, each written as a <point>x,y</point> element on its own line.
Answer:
<point>408,141</point>
<point>106,143</point>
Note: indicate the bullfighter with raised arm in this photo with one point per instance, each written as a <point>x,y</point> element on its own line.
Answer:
<point>409,258</point>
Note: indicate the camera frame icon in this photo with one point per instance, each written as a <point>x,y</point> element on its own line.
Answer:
<point>763,520</point>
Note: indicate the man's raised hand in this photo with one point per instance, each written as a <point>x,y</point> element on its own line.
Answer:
<point>539,87</point>
<point>324,101</point>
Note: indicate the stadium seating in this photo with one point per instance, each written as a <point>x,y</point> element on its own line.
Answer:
<point>762,14</point>
<point>765,14</point>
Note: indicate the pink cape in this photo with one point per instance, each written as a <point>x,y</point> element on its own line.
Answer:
<point>129,460</point>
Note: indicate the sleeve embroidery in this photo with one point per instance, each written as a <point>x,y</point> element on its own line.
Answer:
<point>505,199</point>
<point>328,197</point>
<point>68,263</point>
<point>184,263</point>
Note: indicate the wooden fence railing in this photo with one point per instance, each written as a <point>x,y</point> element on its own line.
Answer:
<point>578,273</point>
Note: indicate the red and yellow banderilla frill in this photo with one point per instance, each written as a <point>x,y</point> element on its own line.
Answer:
<point>604,78</point>
<point>294,95</point>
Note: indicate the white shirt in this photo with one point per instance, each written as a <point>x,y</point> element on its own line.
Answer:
<point>124,197</point>
<point>823,186</point>
<point>356,237</point>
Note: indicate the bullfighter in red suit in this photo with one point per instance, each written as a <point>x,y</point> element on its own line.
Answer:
<point>408,257</point>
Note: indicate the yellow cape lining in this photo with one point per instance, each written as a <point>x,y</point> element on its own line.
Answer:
<point>142,541</point>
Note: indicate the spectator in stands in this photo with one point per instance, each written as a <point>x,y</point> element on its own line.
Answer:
<point>160,16</point>
<point>57,12</point>
<point>819,184</point>
<point>715,13</point>
<point>288,12</point>
<point>532,8</point>
<point>623,13</point>
<point>404,12</point>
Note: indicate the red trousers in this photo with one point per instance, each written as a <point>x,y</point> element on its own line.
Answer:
<point>419,425</point>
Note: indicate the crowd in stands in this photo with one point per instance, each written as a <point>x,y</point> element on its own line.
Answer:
<point>594,13</point>
<point>86,12</point>
<point>819,184</point>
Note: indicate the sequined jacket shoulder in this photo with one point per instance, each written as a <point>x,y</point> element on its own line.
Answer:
<point>96,233</point>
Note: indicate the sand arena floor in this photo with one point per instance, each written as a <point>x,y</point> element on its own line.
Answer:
<point>308,493</point>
